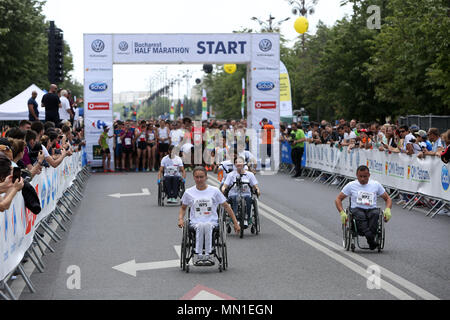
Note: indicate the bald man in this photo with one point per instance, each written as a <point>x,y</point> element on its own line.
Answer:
<point>51,103</point>
<point>33,113</point>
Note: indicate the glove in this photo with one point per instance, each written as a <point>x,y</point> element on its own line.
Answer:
<point>159,181</point>
<point>387,214</point>
<point>343,216</point>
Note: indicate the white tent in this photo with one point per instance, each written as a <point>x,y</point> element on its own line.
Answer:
<point>17,107</point>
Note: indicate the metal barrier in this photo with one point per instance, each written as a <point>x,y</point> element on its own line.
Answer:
<point>70,198</point>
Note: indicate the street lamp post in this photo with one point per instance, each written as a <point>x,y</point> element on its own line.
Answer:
<point>303,9</point>
<point>268,25</point>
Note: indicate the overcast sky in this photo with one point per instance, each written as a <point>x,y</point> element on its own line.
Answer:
<point>76,17</point>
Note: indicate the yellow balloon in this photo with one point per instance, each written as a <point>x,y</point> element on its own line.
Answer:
<point>230,68</point>
<point>301,25</point>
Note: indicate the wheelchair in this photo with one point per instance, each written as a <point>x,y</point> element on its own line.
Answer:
<point>253,223</point>
<point>162,195</point>
<point>219,246</point>
<point>350,233</point>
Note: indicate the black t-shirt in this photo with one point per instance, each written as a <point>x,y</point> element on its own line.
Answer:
<point>51,103</point>
<point>35,107</point>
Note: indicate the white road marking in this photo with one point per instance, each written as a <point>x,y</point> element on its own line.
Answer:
<point>145,192</point>
<point>386,273</point>
<point>131,267</point>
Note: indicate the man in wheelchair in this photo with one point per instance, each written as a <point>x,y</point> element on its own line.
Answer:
<point>363,195</point>
<point>172,169</point>
<point>203,201</point>
<point>249,181</point>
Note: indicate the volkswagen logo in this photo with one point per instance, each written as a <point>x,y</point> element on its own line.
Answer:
<point>98,45</point>
<point>123,46</point>
<point>265,45</point>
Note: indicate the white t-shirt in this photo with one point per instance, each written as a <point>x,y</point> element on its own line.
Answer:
<point>176,136</point>
<point>363,196</point>
<point>407,140</point>
<point>348,136</point>
<point>437,144</point>
<point>186,148</point>
<point>203,203</point>
<point>45,152</point>
<point>163,134</point>
<point>65,105</point>
<point>172,166</point>
<point>248,156</point>
<point>248,177</point>
<point>227,167</point>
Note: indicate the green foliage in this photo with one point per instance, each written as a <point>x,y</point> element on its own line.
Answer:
<point>24,48</point>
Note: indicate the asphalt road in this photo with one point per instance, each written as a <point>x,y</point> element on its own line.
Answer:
<point>297,255</point>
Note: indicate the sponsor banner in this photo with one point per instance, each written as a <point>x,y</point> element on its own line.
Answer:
<point>176,48</point>
<point>93,129</point>
<point>96,106</point>
<point>265,51</point>
<point>285,92</point>
<point>18,224</point>
<point>98,50</point>
<point>429,176</point>
<point>98,72</point>
<point>265,104</point>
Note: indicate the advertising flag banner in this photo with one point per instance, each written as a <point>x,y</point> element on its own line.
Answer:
<point>204,106</point>
<point>243,98</point>
<point>285,92</point>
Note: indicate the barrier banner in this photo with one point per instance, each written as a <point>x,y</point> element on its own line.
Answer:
<point>17,224</point>
<point>429,176</point>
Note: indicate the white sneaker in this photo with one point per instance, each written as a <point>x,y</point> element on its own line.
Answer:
<point>245,224</point>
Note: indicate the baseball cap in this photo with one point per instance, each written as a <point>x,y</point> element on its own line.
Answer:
<point>414,127</point>
<point>421,133</point>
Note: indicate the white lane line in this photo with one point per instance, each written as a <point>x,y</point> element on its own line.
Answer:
<point>346,262</point>
<point>386,273</point>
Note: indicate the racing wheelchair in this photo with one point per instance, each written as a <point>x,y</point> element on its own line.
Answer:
<point>350,233</point>
<point>162,195</point>
<point>219,246</point>
<point>254,222</point>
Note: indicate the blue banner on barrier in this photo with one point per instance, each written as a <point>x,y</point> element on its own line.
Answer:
<point>286,154</point>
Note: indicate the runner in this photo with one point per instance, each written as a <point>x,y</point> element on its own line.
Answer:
<point>151,135</point>
<point>141,145</point>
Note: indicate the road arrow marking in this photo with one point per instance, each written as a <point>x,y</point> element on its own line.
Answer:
<point>145,192</point>
<point>131,267</point>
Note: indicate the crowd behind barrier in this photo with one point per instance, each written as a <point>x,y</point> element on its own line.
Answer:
<point>18,225</point>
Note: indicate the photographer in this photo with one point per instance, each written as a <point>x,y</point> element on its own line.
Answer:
<point>8,187</point>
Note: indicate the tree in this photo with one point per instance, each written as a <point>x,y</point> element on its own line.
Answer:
<point>24,49</point>
<point>411,63</point>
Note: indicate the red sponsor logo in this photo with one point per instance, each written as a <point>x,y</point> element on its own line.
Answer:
<point>98,106</point>
<point>265,104</point>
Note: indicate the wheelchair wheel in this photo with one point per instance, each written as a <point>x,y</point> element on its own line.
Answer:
<point>182,189</point>
<point>242,212</point>
<point>159,194</point>
<point>184,248</point>
<point>346,236</point>
<point>256,223</point>
<point>380,233</point>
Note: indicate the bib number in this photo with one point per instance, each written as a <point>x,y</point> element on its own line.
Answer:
<point>128,141</point>
<point>365,198</point>
<point>203,208</point>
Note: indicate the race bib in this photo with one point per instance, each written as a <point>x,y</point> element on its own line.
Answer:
<point>172,170</point>
<point>128,141</point>
<point>142,137</point>
<point>151,136</point>
<point>203,208</point>
<point>365,198</point>
<point>119,141</point>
